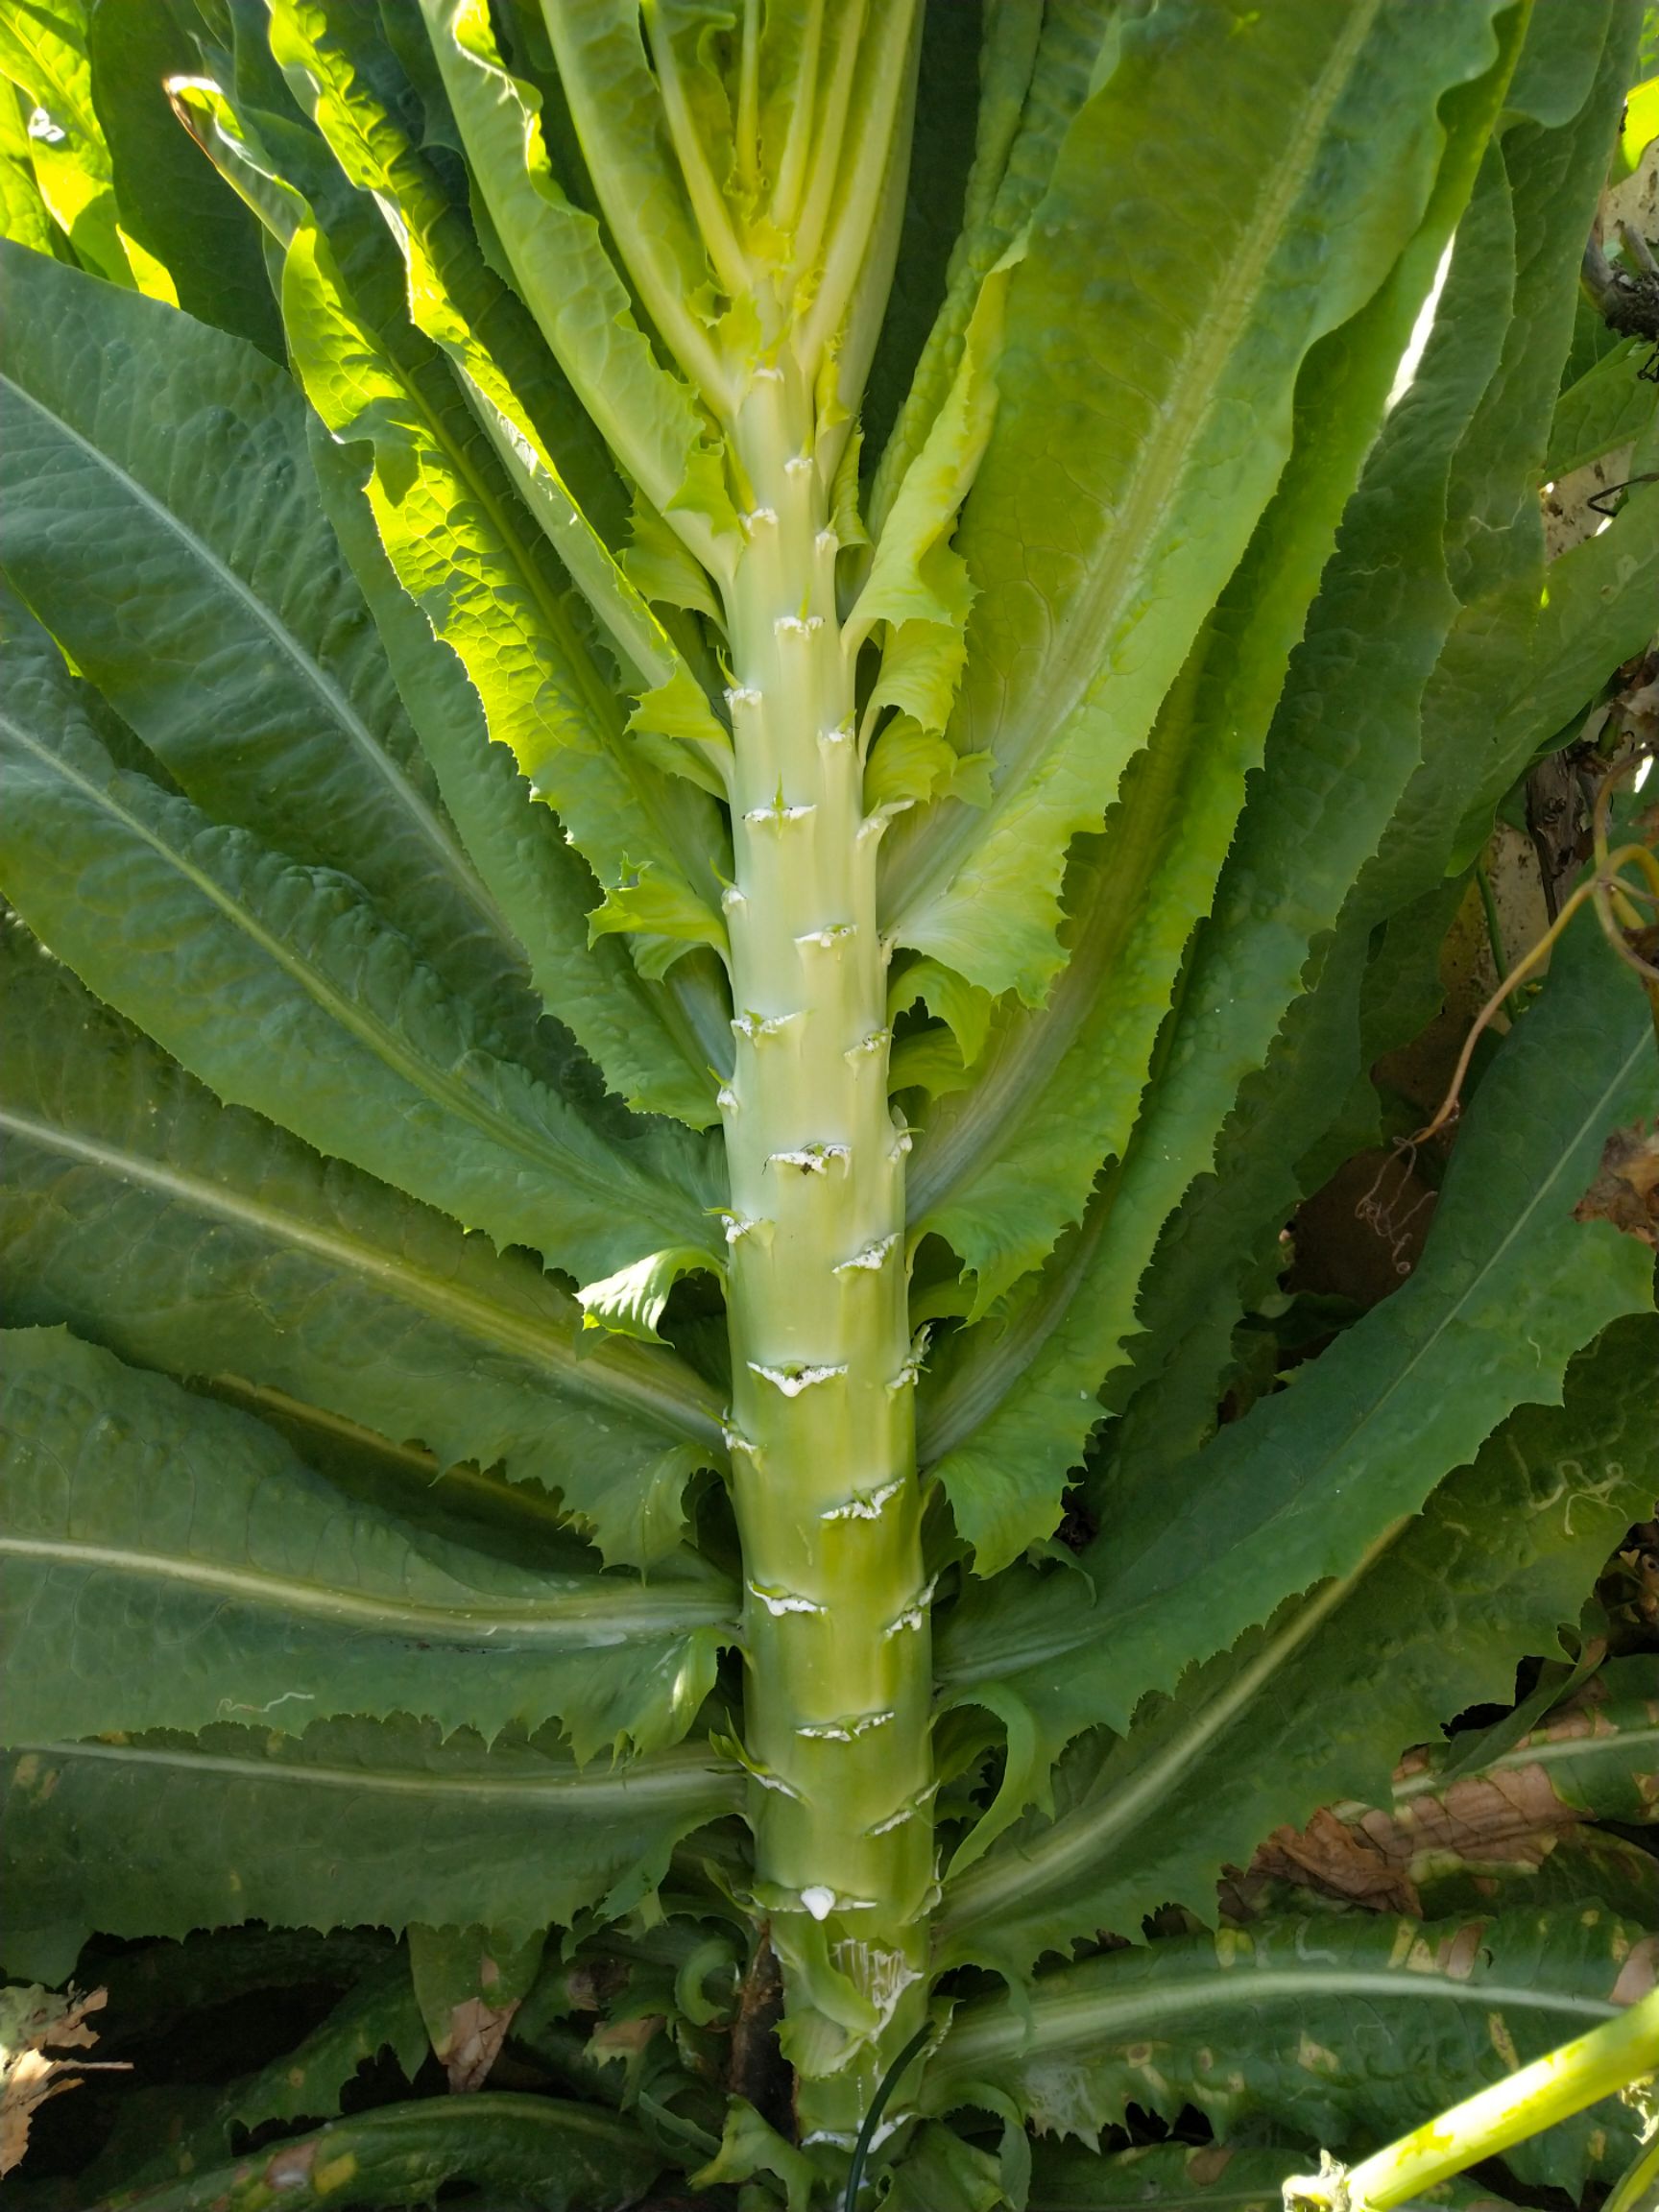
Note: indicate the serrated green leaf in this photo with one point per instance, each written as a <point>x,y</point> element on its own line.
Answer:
<point>655,906</point>
<point>355,1821</point>
<point>486,595</point>
<point>278,985</point>
<point>166,1562</point>
<point>1036,71</point>
<point>1000,1174</point>
<point>1121,485</point>
<point>1340,2031</point>
<point>163,2134</point>
<point>210,599</point>
<point>1509,1286</point>
<point>917,590</point>
<point>631,1302</point>
<point>573,2158</point>
<point>641,1039</point>
<point>196,1238</point>
<point>1317,1705</point>
<point>517,395</point>
<point>648,416</point>
<point>1339,759</point>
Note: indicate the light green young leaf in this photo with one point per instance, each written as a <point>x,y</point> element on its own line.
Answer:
<point>43,53</point>
<point>918,587</point>
<point>166,1562</point>
<point>489,598</point>
<point>1257,2026</point>
<point>629,1302</point>
<point>1033,74</point>
<point>466,309</point>
<point>750,2145</point>
<point>23,213</point>
<point>910,765</point>
<point>196,1238</point>
<point>354,1822</point>
<point>663,205</point>
<point>1604,409</point>
<point>963,1007</point>
<point>278,986</point>
<point>648,416</point>
<point>1315,1706</point>
<point>1128,467</point>
<point>641,1038</point>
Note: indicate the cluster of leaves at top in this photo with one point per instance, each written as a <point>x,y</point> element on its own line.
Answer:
<point>727,733</point>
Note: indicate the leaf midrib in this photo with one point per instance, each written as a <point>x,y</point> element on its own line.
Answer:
<point>595,1375</point>
<point>687,1778</point>
<point>456,865</point>
<point>571,1620</point>
<point>1077,2019</point>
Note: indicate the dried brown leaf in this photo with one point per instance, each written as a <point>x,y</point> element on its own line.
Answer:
<point>1625,1188</point>
<point>35,2022</point>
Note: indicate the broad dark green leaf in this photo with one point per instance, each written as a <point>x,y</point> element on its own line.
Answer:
<point>1508,1288</point>
<point>1147,384</point>
<point>1317,1705</point>
<point>166,1562</point>
<point>280,987</point>
<point>355,1821</point>
<point>196,1238</point>
<point>1342,2031</point>
<point>159,516</point>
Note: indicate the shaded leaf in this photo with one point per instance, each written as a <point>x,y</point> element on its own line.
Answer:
<point>278,985</point>
<point>166,1562</point>
<point>574,2159</point>
<point>193,1236</point>
<point>355,1821</point>
<point>1332,2029</point>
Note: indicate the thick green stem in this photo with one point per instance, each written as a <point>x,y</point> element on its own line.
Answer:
<point>823,1447</point>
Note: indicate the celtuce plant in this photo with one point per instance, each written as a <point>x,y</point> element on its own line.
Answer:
<point>729,733</point>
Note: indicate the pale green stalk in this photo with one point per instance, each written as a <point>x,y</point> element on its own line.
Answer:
<point>823,1445</point>
<point>1551,2089</point>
